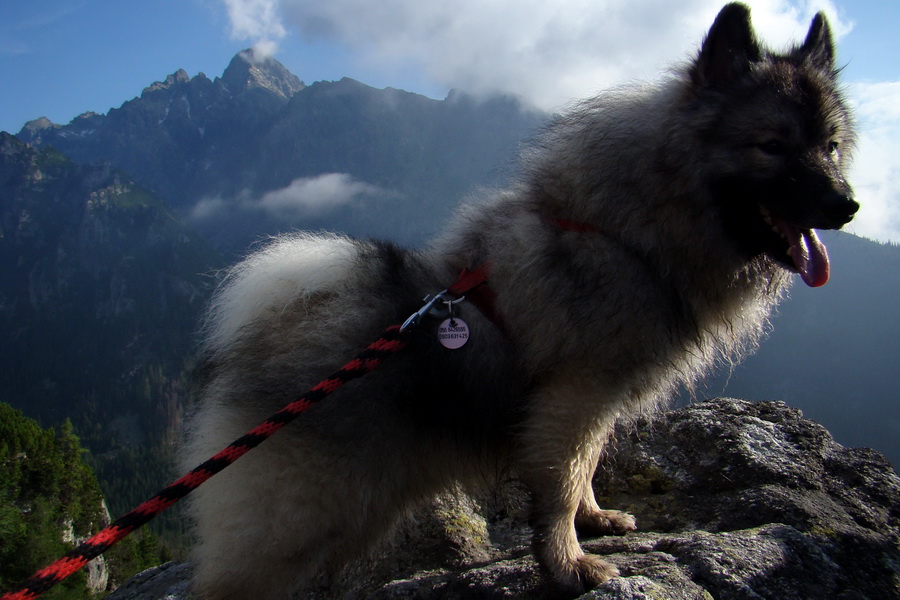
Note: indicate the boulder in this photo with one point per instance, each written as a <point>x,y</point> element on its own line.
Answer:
<point>734,500</point>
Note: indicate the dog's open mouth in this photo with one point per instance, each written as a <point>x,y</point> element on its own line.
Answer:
<point>805,253</point>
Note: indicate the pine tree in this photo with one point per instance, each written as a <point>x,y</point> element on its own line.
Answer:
<point>45,487</point>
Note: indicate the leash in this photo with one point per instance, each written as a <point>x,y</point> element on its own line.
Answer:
<point>390,342</point>
<point>470,284</point>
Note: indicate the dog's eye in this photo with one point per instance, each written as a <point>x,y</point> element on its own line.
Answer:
<point>773,147</point>
<point>833,147</point>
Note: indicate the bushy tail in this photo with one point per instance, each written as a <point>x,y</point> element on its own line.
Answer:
<point>269,279</point>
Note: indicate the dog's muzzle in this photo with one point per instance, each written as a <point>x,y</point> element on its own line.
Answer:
<point>839,209</point>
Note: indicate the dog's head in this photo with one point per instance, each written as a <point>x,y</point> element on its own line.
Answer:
<point>776,138</point>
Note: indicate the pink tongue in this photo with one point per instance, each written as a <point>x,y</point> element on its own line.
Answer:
<point>808,253</point>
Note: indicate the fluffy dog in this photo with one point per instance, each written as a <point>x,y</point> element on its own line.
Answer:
<point>649,235</point>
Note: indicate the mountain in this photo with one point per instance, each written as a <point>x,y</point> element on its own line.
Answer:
<point>248,71</point>
<point>218,150</point>
<point>92,268</point>
<point>178,129</point>
<point>101,289</point>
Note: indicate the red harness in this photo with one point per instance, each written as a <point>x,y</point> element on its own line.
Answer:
<point>473,285</point>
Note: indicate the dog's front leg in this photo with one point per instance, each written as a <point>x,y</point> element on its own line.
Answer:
<point>590,519</point>
<point>559,448</point>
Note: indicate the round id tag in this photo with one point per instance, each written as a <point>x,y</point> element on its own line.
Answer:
<point>453,333</point>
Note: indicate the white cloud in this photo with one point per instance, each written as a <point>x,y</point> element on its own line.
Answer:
<point>546,51</point>
<point>257,20</point>
<point>208,208</point>
<point>315,195</point>
<point>876,168</point>
<point>304,197</point>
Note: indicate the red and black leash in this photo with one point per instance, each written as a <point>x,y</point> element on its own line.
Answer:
<point>390,342</point>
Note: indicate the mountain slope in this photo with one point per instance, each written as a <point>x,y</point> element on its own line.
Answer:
<point>101,288</point>
<point>220,146</point>
<point>176,128</point>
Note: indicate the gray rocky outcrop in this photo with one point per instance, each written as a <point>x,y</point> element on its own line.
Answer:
<point>734,500</point>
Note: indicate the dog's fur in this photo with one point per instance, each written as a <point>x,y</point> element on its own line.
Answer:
<point>690,191</point>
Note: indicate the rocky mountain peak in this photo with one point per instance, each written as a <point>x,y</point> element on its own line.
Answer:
<point>179,76</point>
<point>33,128</point>
<point>250,69</point>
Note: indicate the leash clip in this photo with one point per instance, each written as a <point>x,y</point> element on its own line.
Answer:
<point>426,308</point>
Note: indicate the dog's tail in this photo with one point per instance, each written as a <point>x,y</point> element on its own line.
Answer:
<point>261,286</point>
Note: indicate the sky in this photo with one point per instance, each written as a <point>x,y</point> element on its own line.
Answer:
<point>60,58</point>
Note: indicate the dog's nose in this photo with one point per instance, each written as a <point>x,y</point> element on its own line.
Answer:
<point>840,207</point>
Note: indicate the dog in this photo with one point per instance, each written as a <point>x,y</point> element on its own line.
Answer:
<point>651,231</point>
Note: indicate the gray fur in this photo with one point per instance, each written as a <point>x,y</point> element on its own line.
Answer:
<point>680,273</point>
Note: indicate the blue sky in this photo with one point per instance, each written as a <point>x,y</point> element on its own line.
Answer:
<point>61,58</point>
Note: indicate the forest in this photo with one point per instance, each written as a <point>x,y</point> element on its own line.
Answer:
<point>50,498</point>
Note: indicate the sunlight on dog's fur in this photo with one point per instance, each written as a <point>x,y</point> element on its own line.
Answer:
<point>649,235</point>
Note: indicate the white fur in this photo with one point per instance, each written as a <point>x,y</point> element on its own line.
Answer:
<point>267,282</point>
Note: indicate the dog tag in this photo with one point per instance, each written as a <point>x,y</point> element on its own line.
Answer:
<point>453,333</point>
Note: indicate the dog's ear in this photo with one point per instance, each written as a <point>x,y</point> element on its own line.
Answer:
<point>819,47</point>
<point>728,50</point>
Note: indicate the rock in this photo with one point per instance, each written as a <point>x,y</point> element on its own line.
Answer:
<point>97,570</point>
<point>735,500</point>
<point>33,128</point>
<point>165,582</point>
<point>249,70</point>
<point>730,464</point>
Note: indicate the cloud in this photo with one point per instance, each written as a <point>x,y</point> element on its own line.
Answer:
<point>315,195</point>
<point>304,197</point>
<point>256,20</point>
<point>876,168</point>
<point>209,208</point>
<point>546,51</point>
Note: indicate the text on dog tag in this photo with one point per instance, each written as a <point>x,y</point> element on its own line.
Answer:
<point>453,333</point>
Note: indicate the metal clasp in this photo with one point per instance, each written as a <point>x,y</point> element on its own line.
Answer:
<point>426,308</point>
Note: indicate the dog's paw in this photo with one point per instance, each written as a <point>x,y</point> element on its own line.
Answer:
<point>604,522</point>
<point>585,573</point>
